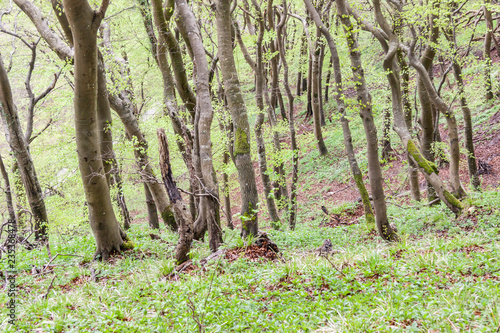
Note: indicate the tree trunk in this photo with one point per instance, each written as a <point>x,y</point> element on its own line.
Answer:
<point>487,51</point>
<point>386,140</point>
<point>316,108</point>
<point>428,169</point>
<point>182,215</point>
<point>292,218</point>
<point>309,112</point>
<point>8,192</point>
<point>405,83</point>
<point>236,104</point>
<point>19,147</point>
<point>351,156</point>
<point>152,213</point>
<point>162,17</point>
<point>84,22</point>
<point>320,77</point>
<point>327,80</point>
<point>259,99</point>
<point>203,143</point>
<point>468,132</point>
<point>364,99</point>
<point>104,123</point>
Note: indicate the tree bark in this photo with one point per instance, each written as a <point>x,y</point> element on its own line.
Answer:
<point>84,22</point>
<point>182,215</point>
<point>487,51</point>
<point>316,107</point>
<point>162,19</point>
<point>19,147</point>
<point>104,123</point>
<point>8,192</point>
<point>152,213</point>
<point>405,83</point>
<point>203,143</point>
<point>365,104</point>
<point>236,104</point>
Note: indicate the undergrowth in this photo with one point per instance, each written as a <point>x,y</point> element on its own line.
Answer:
<point>443,276</point>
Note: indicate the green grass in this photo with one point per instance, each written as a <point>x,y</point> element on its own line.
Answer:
<point>443,276</point>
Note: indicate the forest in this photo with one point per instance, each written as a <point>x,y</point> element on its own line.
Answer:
<point>250,165</point>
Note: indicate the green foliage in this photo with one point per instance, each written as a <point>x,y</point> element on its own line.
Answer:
<point>424,282</point>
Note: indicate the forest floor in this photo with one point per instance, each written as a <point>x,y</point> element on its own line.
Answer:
<point>443,275</point>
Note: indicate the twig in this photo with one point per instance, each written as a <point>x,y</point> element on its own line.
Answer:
<point>50,287</point>
<point>333,265</point>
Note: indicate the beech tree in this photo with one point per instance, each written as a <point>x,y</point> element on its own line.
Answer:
<point>84,22</point>
<point>236,104</point>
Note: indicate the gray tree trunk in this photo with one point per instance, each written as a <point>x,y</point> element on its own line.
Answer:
<point>236,104</point>
<point>209,204</point>
<point>19,147</point>
<point>84,22</point>
<point>364,99</point>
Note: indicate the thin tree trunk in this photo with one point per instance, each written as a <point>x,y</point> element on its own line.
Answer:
<point>327,80</point>
<point>351,156</point>
<point>364,99</point>
<point>468,131</point>
<point>320,77</point>
<point>292,218</point>
<point>182,215</point>
<point>487,51</point>
<point>386,140</point>
<point>8,192</point>
<point>405,83</point>
<point>225,189</point>
<point>19,146</point>
<point>162,15</point>
<point>316,107</point>
<point>104,123</point>
<point>309,112</point>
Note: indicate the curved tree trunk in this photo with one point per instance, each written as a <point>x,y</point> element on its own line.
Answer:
<point>203,120</point>
<point>364,99</point>
<point>84,22</point>
<point>19,146</point>
<point>162,18</point>
<point>236,104</point>
<point>428,169</point>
